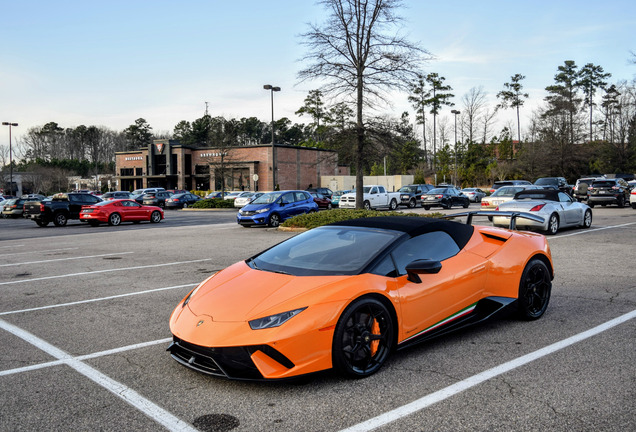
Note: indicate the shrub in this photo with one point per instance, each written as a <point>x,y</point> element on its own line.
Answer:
<point>213,203</point>
<point>313,220</point>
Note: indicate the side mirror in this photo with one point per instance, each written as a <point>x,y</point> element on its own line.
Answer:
<point>422,266</point>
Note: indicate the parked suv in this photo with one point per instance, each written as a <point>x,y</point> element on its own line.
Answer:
<point>557,183</point>
<point>411,195</point>
<point>579,191</point>
<point>156,198</point>
<point>608,191</point>
<point>321,190</point>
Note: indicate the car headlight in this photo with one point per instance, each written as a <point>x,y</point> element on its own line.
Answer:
<point>189,297</point>
<point>274,320</point>
<point>262,210</point>
<point>240,212</point>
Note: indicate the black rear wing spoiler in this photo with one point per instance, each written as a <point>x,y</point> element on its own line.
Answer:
<point>492,213</point>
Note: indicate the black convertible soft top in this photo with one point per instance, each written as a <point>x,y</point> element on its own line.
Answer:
<point>538,194</point>
<point>414,226</point>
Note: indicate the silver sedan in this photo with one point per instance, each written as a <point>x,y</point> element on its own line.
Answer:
<point>558,210</point>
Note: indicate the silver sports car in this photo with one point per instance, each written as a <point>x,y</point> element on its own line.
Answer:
<point>558,209</point>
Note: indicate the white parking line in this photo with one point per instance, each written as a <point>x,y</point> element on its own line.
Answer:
<point>589,230</point>
<point>84,357</point>
<point>65,259</point>
<point>130,396</point>
<point>38,251</point>
<point>474,380</point>
<point>102,271</point>
<point>95,299</point>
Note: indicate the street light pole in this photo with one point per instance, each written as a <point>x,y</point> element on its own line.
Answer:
<point>10,155</point>
<point>273,89</point>
<point>455,112</point>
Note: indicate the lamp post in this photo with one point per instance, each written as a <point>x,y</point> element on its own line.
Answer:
<point>455,112</point>
<point>10,155</point>
<point>272,90</point>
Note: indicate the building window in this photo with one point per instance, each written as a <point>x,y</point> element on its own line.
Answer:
<point>139,171</point>
<point>126,172</point>
<point>202,169</point>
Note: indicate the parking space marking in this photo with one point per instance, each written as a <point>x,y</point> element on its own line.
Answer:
<point>11,246</point>
<point>38,251</point>
<point>65,259</point>
<point>103,271</point>
<point>95,299</point>
<point>474,380</point>
<point>589,230</point>
<point>128,395</point>
<point>85,356</point>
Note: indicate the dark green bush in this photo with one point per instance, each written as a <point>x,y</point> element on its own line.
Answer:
<point>213,203</point>
<point>313,220</point>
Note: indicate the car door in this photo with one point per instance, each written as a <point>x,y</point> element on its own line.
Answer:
<point>572,212</point>
<point>439,296</point>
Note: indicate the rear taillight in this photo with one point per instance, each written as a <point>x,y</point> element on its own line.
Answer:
<point>537,207</point>
<point>439,196</point>
<point>41,208</point>
<point>484,204</point>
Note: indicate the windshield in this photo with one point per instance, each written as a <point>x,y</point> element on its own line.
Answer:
<point>546,181</point>
<point>437,191</point>
<point>412,189</point>
<point>325,251</point>
<point>267,198</point>
<point>507,191</point>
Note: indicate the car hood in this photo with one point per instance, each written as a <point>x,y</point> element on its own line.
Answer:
<point>240,293</point>
<point>254,207</point>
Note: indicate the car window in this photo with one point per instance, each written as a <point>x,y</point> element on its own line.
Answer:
<point>287,198</point>
<point>436,245</point>
<point>563,197</point>
<point>300,196</point>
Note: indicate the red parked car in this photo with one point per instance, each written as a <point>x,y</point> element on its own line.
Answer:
<point>115,212</point>
<point>322,201</point>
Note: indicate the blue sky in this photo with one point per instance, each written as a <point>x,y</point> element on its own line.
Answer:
<point>109,63</point>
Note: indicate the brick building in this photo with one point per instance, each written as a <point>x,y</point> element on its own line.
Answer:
<point>168,164</point>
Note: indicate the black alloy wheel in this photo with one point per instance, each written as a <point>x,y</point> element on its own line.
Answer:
<point>367,205</point>
<point>393,204</point>
<point>587,219</point>
<point>274,220</point>
<point>114,219</point>
<point>412,203</point>
<point>363,338</point>
<point>534,290</point>
<point>60,219</point>
<point>553,224</point>
<point>155,217</point>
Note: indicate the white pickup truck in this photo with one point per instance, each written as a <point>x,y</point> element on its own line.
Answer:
<point>375,197</point>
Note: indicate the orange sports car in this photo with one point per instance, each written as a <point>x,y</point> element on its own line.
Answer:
<point>346,295</point>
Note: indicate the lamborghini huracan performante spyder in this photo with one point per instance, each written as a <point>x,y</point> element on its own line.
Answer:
<point>346,295</point>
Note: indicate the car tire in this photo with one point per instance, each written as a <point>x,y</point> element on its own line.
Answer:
<point>553,224</point>
<point>329,206</point>
<point>447,206</point>
<point>274,220</point>
<point>60,219</point>
<point>535,288</point>
<point>466,204</point>
<point>634,205</point>
<point>412,203</point>
<point>114,219</point>
<point>590,204</point>
<point>185,205</point>
<point>587,219</point>
<point>42,223</point>
<point>393,205</point>
<point>363,338</point>
<point>367,205</point>
<point>426,207</point>
<point>155,217</point>
<point>621,202</point>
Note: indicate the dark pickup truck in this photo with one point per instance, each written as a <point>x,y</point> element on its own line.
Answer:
<point>59,209</point>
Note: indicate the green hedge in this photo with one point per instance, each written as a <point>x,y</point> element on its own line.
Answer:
<point>213,203</point>
<point>313,220</point>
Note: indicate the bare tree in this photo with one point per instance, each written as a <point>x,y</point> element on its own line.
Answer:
<point>360,55</point>
<point>487,121</point>
<point>474,102</point>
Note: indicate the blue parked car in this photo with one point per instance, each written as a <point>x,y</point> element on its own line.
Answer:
<point>275,207</point>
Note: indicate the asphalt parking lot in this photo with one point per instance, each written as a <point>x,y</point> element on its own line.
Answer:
<point>84,326</point>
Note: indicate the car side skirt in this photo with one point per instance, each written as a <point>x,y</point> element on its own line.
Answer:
<point>470,315</point>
